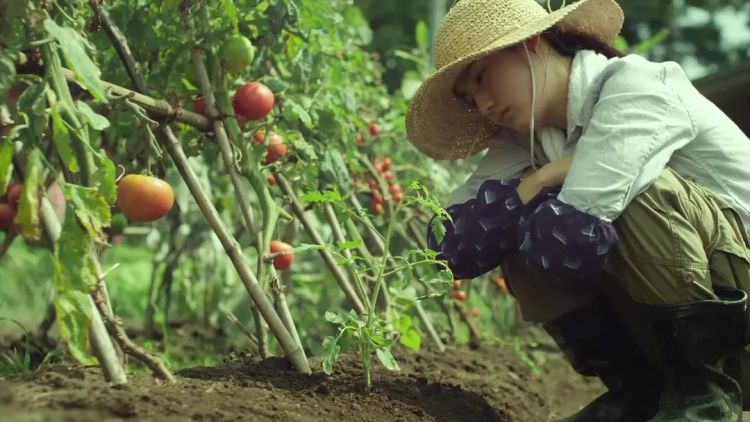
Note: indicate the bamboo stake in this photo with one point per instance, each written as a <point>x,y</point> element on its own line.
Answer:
<point>333,221</point>
<point>335,269</point>
<point>170,143</point>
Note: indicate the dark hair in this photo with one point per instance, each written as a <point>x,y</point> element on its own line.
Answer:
<point>569,42</point>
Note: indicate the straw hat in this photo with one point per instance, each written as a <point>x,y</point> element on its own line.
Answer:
<point>442,126</point>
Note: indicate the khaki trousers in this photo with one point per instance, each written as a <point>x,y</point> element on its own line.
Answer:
<point>678,242</point>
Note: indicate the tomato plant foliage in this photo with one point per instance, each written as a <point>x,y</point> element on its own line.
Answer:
<point>68,118</point>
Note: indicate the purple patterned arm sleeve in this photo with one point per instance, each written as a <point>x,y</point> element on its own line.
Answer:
<point>557,237</point>
<point>483,230</point>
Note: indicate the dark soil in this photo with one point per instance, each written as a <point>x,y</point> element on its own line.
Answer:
<point>491,383</point>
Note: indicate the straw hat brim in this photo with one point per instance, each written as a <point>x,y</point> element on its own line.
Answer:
<point>442,126</point>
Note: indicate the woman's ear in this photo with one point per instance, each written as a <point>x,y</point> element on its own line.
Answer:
<point>534,43</point>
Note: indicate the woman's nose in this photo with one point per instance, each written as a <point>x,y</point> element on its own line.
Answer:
<point>484,103</point>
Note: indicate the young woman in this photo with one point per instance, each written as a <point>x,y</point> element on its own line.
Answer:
<point>614,195</point>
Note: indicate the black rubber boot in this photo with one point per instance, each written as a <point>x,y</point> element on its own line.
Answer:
<point>699,342</point>
<point>597,343</point>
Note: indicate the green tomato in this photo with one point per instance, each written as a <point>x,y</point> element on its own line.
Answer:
<point>118,223</point>
<point>237,53</point>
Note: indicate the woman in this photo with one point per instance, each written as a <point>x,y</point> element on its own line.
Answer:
<point>613,194</point>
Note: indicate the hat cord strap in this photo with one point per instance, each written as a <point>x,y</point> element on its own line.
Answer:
<point>533,106</point>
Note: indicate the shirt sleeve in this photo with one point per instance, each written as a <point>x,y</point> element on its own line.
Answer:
<point>635,127</point>
<point>484,212</point>
<point>482,231</point>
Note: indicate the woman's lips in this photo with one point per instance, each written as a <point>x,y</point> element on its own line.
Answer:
<point>502,117</point>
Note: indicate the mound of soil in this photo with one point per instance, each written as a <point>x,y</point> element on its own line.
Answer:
<point>491,383</point>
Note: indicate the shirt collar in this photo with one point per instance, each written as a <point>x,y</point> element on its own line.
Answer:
<point>587,65</point>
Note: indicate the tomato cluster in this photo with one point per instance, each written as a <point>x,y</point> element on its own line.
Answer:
<point>457,293</point>
<point>384,168</point>
<point>9,205</point>
<point>276,147</point>
<point>251,101</point>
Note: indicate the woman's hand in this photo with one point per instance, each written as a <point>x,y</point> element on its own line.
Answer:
<point>552,174</point>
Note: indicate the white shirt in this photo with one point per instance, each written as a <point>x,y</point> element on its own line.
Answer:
<point>628,118</point>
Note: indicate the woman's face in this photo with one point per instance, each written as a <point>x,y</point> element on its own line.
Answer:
<point>499,86</point>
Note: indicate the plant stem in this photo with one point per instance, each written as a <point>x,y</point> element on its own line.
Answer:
<point>115,330</point>
<point>158,107</point>
<point>282,307</point>
<point>231,246</point>
<point>335,269</point>
<point>336,227</point>
<point>248,219</point>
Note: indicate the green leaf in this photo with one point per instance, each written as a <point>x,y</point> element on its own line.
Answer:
<point>230,12</point>
<point>73,312</point>
<point>330,354</point>
<point>295,112</point>
<point>7,149</point>
<point>331,196</point>
<point>422,35</point>
<point>61,139</point>
<point>73,47</point>
<point>352,244</point>
<point>104,178</point>
<point>91,207</point>
<point>333,169</point>
<point>74,265</point>
<point>170,6</point>
<point>438,229</point>
<point>387,359</point>
<point>94,119</point>
<point>333,317</point>
<point>411,339</point>
<point>28,210</point>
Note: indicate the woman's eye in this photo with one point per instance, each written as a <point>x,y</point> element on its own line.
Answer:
<point>480,76</point>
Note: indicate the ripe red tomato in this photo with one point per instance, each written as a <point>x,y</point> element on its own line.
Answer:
<point>397,197</point>
<point>377,197</point>
<point>372,184</point>
<point>394,188</point>
<point>286,257</point>
<point>259,136</point>
<point>276,148</point>
<point>459,295</point>
<point>387,175</point>
<point>377,208</point>
<point>7,214</point>
<point>12,194</point>
<point>252,101</point>
<point>199,105</point>
<point>374,129</point>
<point>237,53</point>
<point>144,198</point>
<point>271,179</point>
<point>387,163</point>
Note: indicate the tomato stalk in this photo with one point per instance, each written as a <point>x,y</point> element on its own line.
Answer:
<point>338,234</point>
<point>333,266</point>
<point>230,244</point>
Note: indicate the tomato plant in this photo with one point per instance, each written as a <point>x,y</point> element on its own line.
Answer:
<point>284,83</point>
